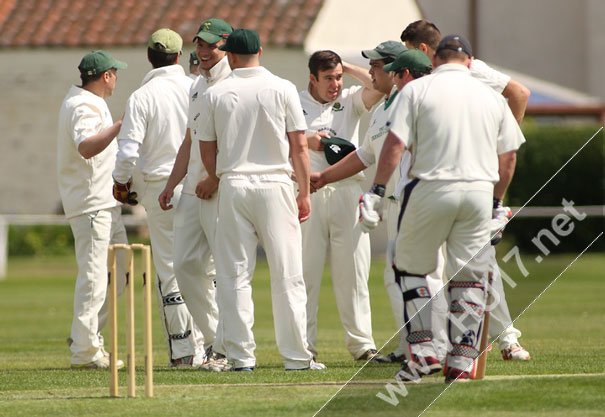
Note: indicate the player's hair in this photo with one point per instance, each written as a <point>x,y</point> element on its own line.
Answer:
<point>322,61</point>
<point>414,73</point>
<point>448,55</point>
<point>160,59</point>
<point>87,79</point>
<point>421,31</point>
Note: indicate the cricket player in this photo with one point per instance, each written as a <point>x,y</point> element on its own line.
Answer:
<point>85,157</point>
<point>425,36</point>
<point>153,129</point>
<point>407,66</point>
<point>333,111</point>
<point>196,212</point>
<point>464,140</point>
<point>252,122</point>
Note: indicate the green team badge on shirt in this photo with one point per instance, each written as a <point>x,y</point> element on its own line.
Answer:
<point>337,107</point>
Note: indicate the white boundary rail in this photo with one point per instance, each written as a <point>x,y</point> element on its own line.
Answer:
<point>140,220</point>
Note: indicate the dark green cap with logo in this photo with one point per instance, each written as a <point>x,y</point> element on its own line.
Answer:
<point>336,148</point>
<point>97,62</point>
<point>411,59</point>
<point>213,30</point>
<point>387,49</point>
<point>242,42</point>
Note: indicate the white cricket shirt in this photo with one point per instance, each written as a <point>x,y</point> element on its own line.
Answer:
<point>338,118</point>
<point>248,114</point>
<point>489,76</point>
<point>456,125</point>
<point>196,170</point>
<point>84,184</point>
<point>370,149</point>
<point>156,121</point>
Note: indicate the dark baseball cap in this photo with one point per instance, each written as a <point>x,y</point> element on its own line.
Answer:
<point>411,59</point>
<point>242,42</point>
<point>336,148</point>
<point>97,62</point>
<point>213,30</point>
<point>387,49</point>
<point>455,43</point>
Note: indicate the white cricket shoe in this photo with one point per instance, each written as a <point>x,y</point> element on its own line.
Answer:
<point>215,362</point>
<point>101,363</point>
<point>515,352</point>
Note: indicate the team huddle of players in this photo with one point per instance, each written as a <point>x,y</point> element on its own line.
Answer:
<point>236,157</point>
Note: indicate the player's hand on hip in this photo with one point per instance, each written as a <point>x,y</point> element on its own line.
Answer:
<point>500,217</point>
<point>304,207</point>
<point>165,197</point>
<point>206,188</point>
<point>122,193</point>
<point>370,207</point>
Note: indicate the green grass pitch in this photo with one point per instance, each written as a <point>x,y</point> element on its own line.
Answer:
<point>564,330</point>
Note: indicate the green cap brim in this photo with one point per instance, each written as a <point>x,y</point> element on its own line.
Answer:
<point>207,37</point>
<point>372,54</point>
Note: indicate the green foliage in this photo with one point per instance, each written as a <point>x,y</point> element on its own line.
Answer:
<point>40,240</point>
<point>581,180</point>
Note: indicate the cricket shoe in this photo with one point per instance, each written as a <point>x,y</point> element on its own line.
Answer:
<point>515,352</point>
<point>101,363</point>
<point>313,366</point>
<point>395,358</point>
<point>413,370</point>
<point>456,375</point>
<point>120,362</point>
<point>373,355</point>
<point>182,363</point>
<point>215,362</point>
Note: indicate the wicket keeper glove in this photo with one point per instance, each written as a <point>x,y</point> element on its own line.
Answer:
<point>370,207</point>
<point>122,193</point>
<point>500,217</point>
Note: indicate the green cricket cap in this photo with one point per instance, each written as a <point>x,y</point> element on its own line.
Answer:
<point>166,41</point>
<point>213,30</point>
<point>97,62</point>
<point>242,42</point>
<point>387,49</point>
<point>411,59</point>
<point>336,148</point>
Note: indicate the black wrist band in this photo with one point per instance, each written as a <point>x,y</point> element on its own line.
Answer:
<point>378,189</point>
<point>497,203</point>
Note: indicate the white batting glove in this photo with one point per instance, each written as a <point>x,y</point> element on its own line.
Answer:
<point>370,208</point>
<point>500,217</point>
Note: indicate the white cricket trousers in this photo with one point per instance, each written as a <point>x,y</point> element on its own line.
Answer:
<point>93,232</point>
<point>176,320</point>
<point>194,228</point>
<point>253,209</point>
<point>455,213</point>
<point>334,226</point>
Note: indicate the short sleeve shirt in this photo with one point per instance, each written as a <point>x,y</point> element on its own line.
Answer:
<point>249,114</point>
<point>84,184</point>
<point>456,126</point>
<point>338,118</point>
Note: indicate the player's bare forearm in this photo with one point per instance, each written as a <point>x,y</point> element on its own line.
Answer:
<point>389,158</point>
<point>96,144</point>
<point>517,95</point>
<point>300,160</point>
<point>208,154</point>
<point>345,168</point>
<point>369,95</point>
<point>506,169</point>
<point>181,163</point>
